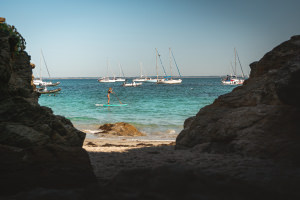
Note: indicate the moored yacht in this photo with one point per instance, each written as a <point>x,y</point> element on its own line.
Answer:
<point>169,79</point>
<point>106,80</point>
<point>233,79</point>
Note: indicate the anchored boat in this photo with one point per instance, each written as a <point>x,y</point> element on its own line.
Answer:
<point>39,81</point>
<point>106,78</point>
<point>44,90</point>
<point>133,84</point>
<point>233,79</point>
<point>169,79</point>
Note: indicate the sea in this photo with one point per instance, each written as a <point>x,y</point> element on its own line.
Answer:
<point>157,110</point>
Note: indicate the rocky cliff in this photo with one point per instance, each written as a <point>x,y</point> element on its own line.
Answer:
<point>38,148</point>
<point>260,118</point>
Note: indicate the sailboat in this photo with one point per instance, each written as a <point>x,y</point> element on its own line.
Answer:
<point>142,77</point>
<point>106,79</point>
<point>170,80</point>
<point>233,79</point>
<point>39,81</point>
<point>120,79</point>
<point>153,80</point>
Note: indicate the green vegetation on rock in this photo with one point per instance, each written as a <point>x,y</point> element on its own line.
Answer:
<point>17,42</point>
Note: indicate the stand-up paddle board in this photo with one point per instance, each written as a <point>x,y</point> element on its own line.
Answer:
<point>110,105</point>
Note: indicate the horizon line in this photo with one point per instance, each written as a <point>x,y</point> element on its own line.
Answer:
<point>129,77</point>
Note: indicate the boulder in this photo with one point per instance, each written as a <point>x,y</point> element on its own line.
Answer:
<point>120,129</point>
<point>260,118</point>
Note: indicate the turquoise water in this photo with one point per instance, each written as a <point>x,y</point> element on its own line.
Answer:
<point>157,110</point>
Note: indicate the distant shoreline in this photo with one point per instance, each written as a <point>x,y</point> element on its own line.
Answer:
<point>131,77</point>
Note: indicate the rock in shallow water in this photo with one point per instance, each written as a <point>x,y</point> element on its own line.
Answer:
<point>120,129</point>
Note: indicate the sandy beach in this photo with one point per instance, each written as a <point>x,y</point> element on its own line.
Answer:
<point>110,155</point>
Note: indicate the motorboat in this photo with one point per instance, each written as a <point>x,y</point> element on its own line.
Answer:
<point>40,82</point>
<point>44,90</point>
<point>133,84</point>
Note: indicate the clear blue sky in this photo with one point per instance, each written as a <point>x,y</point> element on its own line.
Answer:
<point>77,37</point>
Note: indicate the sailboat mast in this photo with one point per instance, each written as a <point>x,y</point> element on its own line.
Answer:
<point>235,62</point>
<point>112,72</point>
<point>156,65</point>
<point>232,69</point>
<point>170,62</point>
<point>243,75</point>
<point>122,71</point>
<point>45,63</point>
<point>41,66</point>
<point>141,66</point>
<point>165,74</point>
<point>175,63</point>
<point>106,67</point>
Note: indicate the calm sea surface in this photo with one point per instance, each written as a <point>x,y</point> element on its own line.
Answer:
<point>157,110</point>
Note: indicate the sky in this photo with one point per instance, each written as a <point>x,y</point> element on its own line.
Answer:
<point>92,38</point>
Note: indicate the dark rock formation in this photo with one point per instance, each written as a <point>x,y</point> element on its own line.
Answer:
<point>260,118</point>
<point>120,129</point>
<point>38,148</point>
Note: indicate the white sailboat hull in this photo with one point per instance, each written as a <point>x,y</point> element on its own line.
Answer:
<point>43,83</point>
<point>120,80</point>
<point>134,84</point>
<point>151,80</point>
<point>233,82</point>
<point>106,80</point>
<point>171,81</point>
<point>139,80</point>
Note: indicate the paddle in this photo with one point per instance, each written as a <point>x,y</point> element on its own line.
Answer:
<point>118,98</point>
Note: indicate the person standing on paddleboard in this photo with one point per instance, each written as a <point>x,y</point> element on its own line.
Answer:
<point>108,94</point>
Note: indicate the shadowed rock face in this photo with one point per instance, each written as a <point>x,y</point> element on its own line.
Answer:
<point>260,118</point>
<point>38,148</point>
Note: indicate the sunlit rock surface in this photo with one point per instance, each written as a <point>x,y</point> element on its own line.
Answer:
<point>120,129</point>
